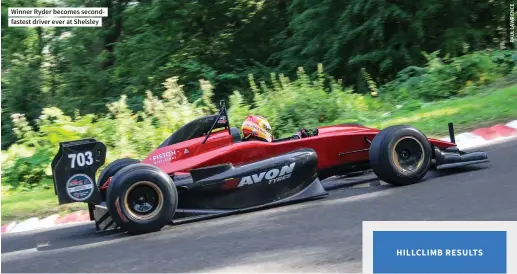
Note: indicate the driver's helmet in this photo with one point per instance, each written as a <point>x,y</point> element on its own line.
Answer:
<point>257,127</point>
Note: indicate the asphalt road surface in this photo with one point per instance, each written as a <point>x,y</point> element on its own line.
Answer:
<point>317,236</point>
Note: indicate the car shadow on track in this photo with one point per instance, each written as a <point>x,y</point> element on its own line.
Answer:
<point>56,238</point>
<point>433,173</point>
<point>368,179</point>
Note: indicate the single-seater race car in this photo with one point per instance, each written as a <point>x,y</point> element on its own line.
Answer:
<point>205,169</point>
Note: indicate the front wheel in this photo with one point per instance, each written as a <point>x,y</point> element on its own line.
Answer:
<point>141,198</point>
<point>400,155</point>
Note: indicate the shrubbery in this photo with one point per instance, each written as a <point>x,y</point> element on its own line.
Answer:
<point>291,105</point>
<point>26,164</point>
<point>287,104</point>
<point>443,77</point>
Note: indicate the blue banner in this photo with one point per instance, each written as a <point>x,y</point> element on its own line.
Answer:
<point>439,251</point>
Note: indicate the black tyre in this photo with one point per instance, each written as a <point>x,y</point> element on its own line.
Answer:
<point>400,155</point>
<point>111,169</point>
<point>141,198</point>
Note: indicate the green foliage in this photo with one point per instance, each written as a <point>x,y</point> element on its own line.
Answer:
<point>447,77</point>
<point>372,86</point>
<point>288,105</point>
<point>23,166</point>
<point>26,164</point>
<point>123,68</point>
<point>304,102</point>
<point>383,36</point>
<point>142,43</point>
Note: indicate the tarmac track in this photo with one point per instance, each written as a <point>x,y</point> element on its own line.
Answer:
<point>317,236</point>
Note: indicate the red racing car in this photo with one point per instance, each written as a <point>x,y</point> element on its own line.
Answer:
<point>205,170</point>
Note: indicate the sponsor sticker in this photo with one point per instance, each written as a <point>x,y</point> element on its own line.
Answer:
<point>164,157</point>
<point>272,176</point>
<point>80,187</point>
<point>222,120</point>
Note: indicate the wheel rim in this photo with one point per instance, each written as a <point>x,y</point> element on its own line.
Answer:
<point>408,154</point>
<point>143,200</point>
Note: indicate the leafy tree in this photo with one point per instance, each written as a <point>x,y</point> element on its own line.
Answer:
<point>383,36</point>
<point>142,43</point>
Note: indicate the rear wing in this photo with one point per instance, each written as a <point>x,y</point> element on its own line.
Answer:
<point>74,168</point>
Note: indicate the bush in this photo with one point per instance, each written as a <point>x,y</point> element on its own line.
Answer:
<point>444,78</point>
<point>26,164</point>
<point>290,105</point>
<point>287,104</point>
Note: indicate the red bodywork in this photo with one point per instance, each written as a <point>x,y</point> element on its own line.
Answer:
<point>220,148</point>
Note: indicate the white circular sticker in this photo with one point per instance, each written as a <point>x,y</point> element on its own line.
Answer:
<point>79,187</point>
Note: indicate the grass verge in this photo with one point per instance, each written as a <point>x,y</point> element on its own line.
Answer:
<point>483,109</point>
<point>18,206</point>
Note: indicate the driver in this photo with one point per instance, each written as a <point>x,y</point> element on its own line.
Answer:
<point>258,128</point>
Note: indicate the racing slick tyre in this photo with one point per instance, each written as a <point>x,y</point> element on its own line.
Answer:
<point>111,169</point>
<point>141,198</point>
<point>400,155</point>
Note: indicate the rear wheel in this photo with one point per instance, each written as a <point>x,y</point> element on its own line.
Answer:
<point>400,155</point>
<point>141,198</point>
<point>113,167</point>
<point>111,170</point>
